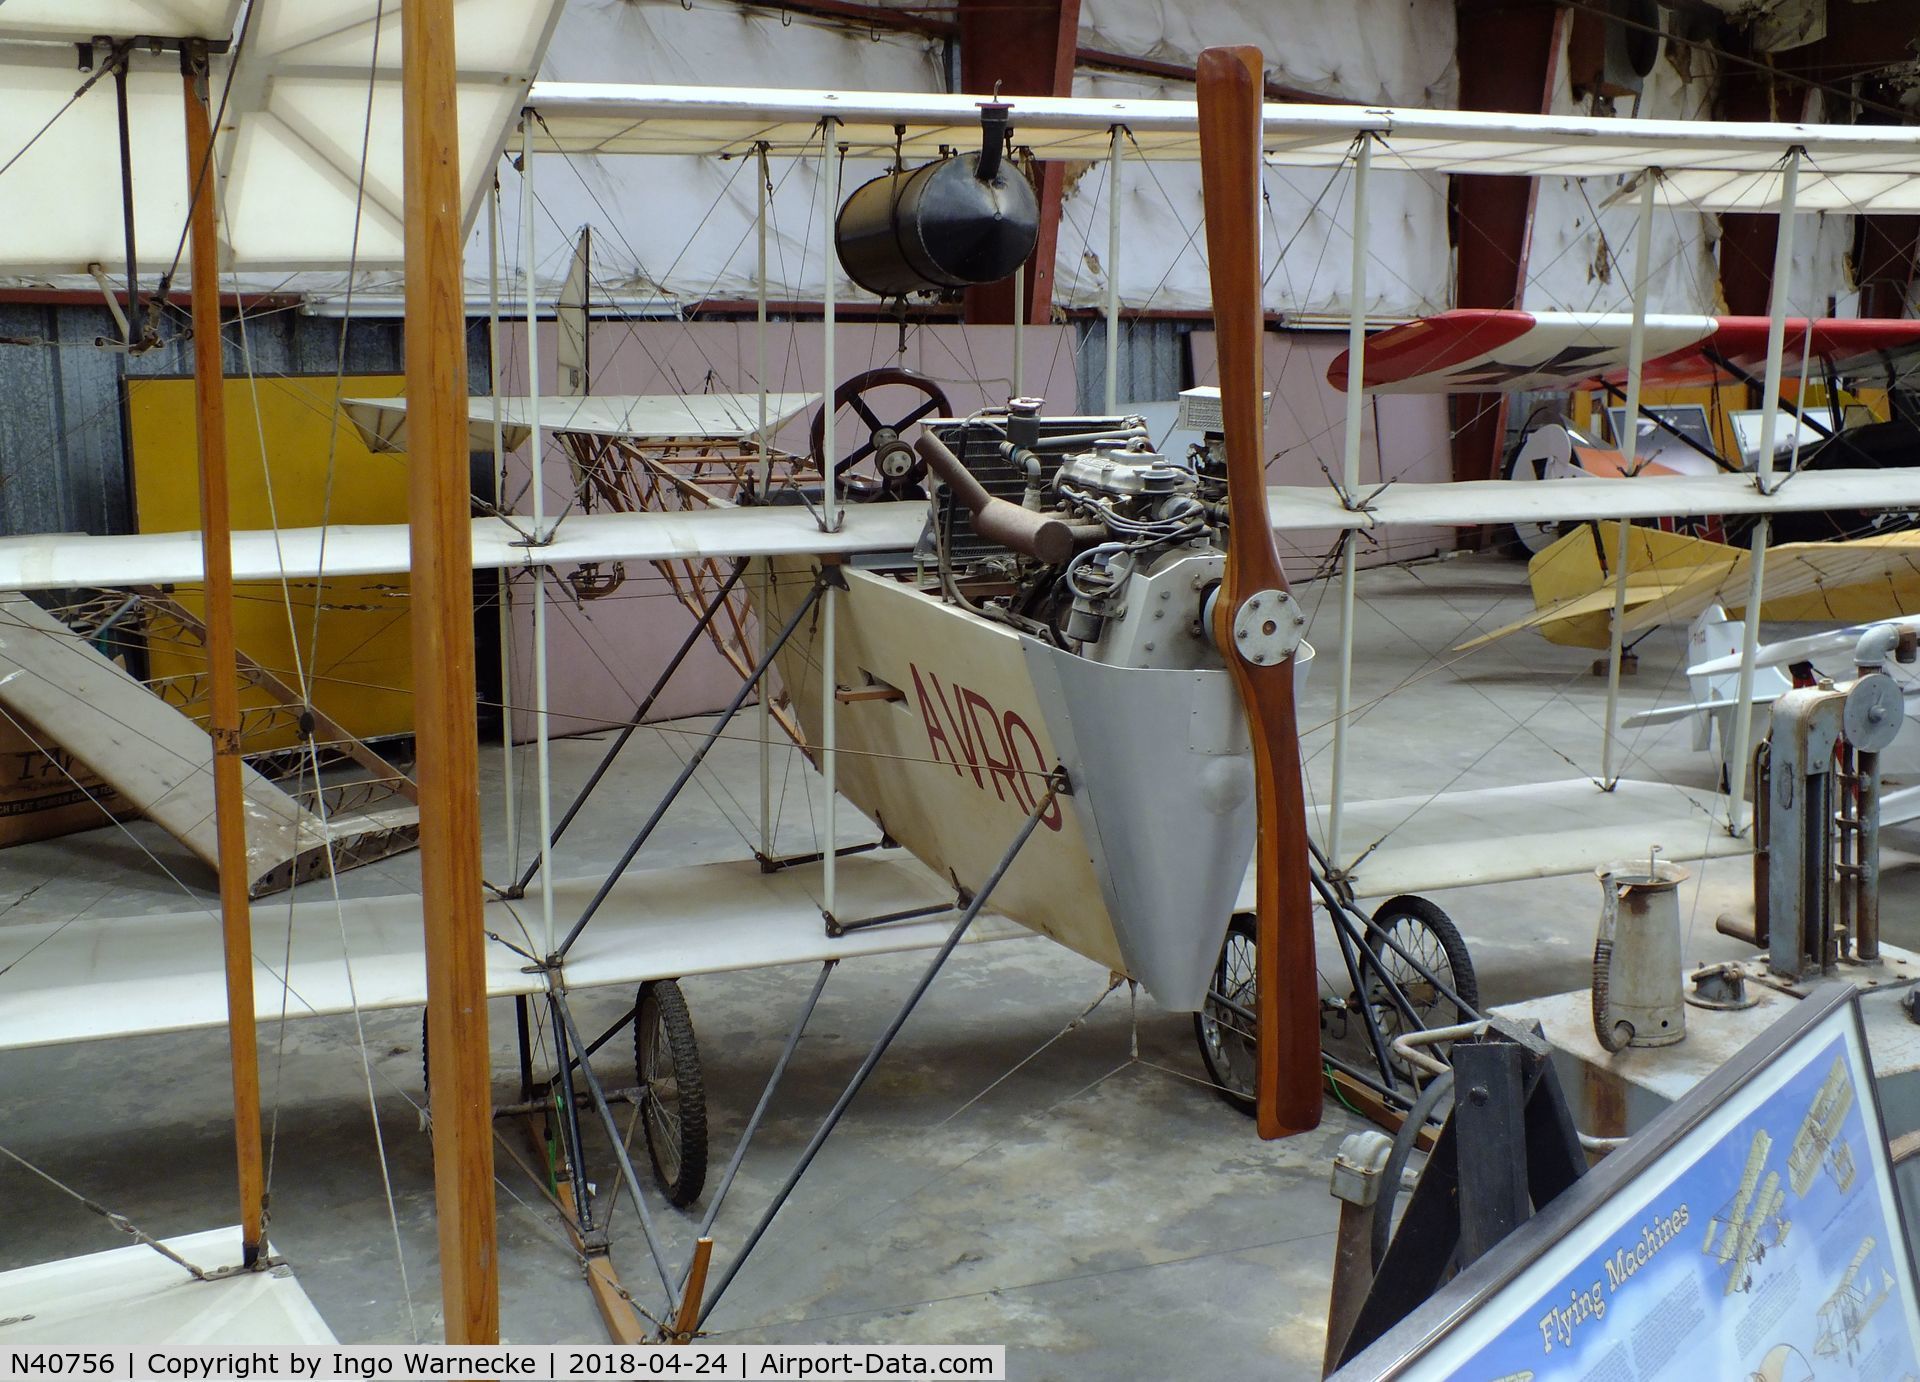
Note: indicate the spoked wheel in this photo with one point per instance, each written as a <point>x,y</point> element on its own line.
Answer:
<point>673,1093</point>
<point>1427,935</point>
<point>882,465</point>
<point>1224,1026</point>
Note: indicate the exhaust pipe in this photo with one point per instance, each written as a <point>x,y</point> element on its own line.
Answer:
<point>1041,536</point>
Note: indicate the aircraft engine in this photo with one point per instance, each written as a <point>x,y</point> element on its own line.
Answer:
<point>1078,531</point>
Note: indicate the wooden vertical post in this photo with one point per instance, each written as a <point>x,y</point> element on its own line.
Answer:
<point>223,673</point>
<point>443,674</point>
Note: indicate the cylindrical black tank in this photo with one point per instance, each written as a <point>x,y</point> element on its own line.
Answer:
<point>941,225</point>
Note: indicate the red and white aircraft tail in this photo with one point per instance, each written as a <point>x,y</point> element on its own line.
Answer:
<point>1485,350</point>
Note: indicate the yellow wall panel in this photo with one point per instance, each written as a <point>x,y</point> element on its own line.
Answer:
<point>349,636</point>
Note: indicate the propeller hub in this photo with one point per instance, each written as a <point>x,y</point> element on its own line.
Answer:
<point>1267,627</point>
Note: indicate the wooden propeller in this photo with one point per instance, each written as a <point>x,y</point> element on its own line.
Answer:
<point>1254,616</point>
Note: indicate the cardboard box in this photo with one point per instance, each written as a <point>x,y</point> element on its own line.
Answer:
<point>44,796</point>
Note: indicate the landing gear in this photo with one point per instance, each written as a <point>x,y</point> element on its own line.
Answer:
<point>673,1092</point>
<point>1413,944</point>
<point>1224,1027</point>
<point>1410,961</point>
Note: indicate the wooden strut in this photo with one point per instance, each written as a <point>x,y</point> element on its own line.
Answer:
<point>610,1298</point>
<point>686,1322</point>
<point>216,528</point>
<point>440,496</point>
<point>1286,984</point>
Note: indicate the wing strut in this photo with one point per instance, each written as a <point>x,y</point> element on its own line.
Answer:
<point>448,749</point>
<point>1254,616</point>
<point>223,677</point>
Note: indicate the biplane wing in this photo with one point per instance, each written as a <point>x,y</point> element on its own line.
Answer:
<point>96,978</point>
<point>1671,577</point>
<point>58,561</point>
<point>1575,499</point>
<point>1573,580</point>
<point>382,422</point>
<point>1418,844</point>
<point>1861,579</point>
<point>1485,350</point>
<point>133,1295</point>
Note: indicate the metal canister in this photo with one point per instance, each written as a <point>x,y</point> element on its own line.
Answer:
<point>1639,992</point>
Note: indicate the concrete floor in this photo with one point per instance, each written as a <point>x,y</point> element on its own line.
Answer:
<point>1088,1202</point>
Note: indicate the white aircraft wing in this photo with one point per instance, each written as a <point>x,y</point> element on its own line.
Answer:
<point>382,422</point>
<point>1800,649</point>
<point>1537,830</point>
<point>56,561</point>
<point>1468,503</point>
<point>94,979</point>
<point>133,1296</point>
<point>1900,806</point>
<point>1668,714</point>
<point>1707,166</point>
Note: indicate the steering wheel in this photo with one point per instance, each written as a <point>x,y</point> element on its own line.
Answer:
<point>884,465</point>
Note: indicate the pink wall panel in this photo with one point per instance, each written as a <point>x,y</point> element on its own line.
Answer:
<point>1403,437</point>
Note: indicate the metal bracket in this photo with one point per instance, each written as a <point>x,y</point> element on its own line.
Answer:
<point>266,1262</point>
<point>1721,987</point>
<point>537,539</point>
<point>99,275</point>
<point>837,928</point>
<point>1341,881</point>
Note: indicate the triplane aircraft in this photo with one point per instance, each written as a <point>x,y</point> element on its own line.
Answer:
<point>985,654</point>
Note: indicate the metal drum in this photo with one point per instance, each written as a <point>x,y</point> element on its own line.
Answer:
<point>966,219</point>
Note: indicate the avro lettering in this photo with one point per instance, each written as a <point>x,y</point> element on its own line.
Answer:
<point>998,749</point>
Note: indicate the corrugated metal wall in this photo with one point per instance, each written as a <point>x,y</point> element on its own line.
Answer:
<point>1152,363</point>
<point>63,444</point>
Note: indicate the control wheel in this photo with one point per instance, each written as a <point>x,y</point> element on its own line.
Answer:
<point>883,465</point>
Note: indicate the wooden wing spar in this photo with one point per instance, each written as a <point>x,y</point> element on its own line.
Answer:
<point>1253,615</point>
<point>1483,350</point>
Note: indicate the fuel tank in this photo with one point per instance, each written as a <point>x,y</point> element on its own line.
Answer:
<point>965,219</point>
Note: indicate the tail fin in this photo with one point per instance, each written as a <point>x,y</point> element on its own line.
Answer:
<point>1713,635</point>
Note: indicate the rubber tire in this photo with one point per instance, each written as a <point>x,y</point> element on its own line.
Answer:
<point>660,1001</point>
<point>1452,944</point>
<point>1241,927</point>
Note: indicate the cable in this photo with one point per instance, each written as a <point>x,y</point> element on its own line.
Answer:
<point>119,1221</point>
